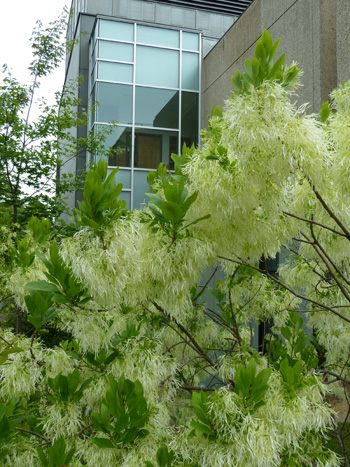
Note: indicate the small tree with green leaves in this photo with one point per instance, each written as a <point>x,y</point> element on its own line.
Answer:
<point>150,374</point>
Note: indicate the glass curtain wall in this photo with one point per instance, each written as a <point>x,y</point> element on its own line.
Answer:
<point>147,79</point>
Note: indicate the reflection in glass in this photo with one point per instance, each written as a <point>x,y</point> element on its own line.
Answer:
<point>93,76</point>
<point>153,147</point>
<point>140,188</point>
<point>116,51</point>
<point>115,72</point>
<point>157,107</point>
<point>127,196</point>
<point>157,36</point>
<point>189,118</point>
<point>92,110</point>
<point>119,142</point>
<point>115,103</point>
<point>124,177</point>
<point>93,55</point>
<point>157,67</point>
<point>116,30</point>
<point>190,41</point>
<point>190,71</point>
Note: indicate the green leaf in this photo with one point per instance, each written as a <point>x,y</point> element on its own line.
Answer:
<point>262,377</point>
<point>69,456</point>
<point>301,343</point>
<point>297,370</point>
<point>43,286</point>
<point>42,457</point>
<point>325,111</point>
<point>155,199</point>
<point>248,67</point>
<point>103,443</point>
<point>286,333</point>
<point>57,453</point>
<point>5,431</point>
<point>172,212</point>
<point>277,67</point>
<point>3,453</point>
<point>201,427</point>
<point>5,353</point>
<point>287,372</point>
<point>164,457</point>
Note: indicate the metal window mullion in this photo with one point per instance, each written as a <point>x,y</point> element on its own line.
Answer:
<point>133,125</point>
<point>180,98</point>
<point>200,90</point>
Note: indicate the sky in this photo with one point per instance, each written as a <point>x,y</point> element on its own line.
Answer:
<point>17,20</point>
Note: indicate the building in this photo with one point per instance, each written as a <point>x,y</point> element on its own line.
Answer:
<point>157,67</point>
<point>141,60</point>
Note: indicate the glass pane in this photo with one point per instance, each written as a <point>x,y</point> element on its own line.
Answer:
<point>140,188</point>
<point>127,196</point>
<point>189,118</point>
<point>157,36</point>
<point>92,103</point>
<point>116,51</point>
<point>116,30</point>
<point>153,147</point>
<point>157,107</point>
<point>190,71</point>
<point>93,77</point>
<point>115,103</point>
<point>119,144</point>
<point>115,72</point>
<point>157,67</point>
<point>119,141</point>
<point>190,41</point>
<point>93,55</point>
<point>124,177</point>
<point>94,36</point>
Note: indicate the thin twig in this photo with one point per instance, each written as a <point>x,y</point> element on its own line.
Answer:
<point>329,265</point>
<point>331,213</point>
<point>282,284</point>
<point>315,223</point>
<point>33,433</point>
<point>205,285</point>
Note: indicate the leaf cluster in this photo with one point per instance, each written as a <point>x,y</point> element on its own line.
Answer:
<point>61,283</point>
<point>200,402</point>
<point>251,386</point>
<point>66,388</point>
<point>57,456</point>
<point>164,458</point>
<point>262,67</point>
<point>123,414</point>
<point>170,208</point>
<point>101,205</point>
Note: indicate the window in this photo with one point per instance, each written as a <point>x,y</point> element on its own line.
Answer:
<point>148,80</point>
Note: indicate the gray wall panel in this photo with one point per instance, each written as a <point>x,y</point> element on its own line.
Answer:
<point>314,33</point>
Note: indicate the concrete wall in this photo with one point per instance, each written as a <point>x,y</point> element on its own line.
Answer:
<point>314,33</point>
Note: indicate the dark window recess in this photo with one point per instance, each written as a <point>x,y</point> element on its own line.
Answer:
<point>148,150</point>
<point>172,150</point>
<point>271,266</point>
<point>189,119</point>
<point>121,151</point>
<point>230,7</point>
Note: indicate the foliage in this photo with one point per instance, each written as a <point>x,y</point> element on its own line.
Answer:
<point>33,152</point>
<point>151,373</point>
